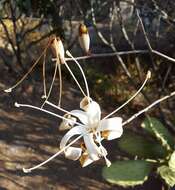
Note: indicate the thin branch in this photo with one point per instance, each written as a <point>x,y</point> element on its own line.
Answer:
<point>166,75</point>
<point>17,42</point>
<point>163,55</point>
<point>131,43</point>
<point>101,55</point>
<point>40,23</point>
<point>10,40</point>
<point>147,41</point>
<point>112,46</point>
<point>155,67</point>
<point>149,107</point>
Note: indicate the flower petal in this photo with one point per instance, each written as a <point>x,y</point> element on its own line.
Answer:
<point>92,149</point>
<point>84,41</point>
<point>81,115</point>
<point>111,128</point>
<point>77,130</point>
<point>93,111</point>
<point>94,114</point>
<point>85,160</point>
<point>85,102</point>
<point>73,153</point>
<point>65,124</point>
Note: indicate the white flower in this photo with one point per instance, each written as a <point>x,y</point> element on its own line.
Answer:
<point>93,130</point>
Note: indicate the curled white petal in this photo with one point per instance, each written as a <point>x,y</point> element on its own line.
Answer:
<point>85,102</point>
<point>92,149</point>
<point>67,124</point>
<point>94,114</point>
<point>85,160</point>
<point>92,110</point>
<point>113,126</point>
<point>81,115</point>
<point>73,153</point>
<point>64,126</point>
<point>77,130</point>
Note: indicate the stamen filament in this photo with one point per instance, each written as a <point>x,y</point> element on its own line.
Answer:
<point>148,76</point>
<point>44,76</point>
<point>85,81</point>
<point>59,108</point>
<point>75,79</point>
<point>61,84</point>
<point>28,72</point>
<point>52,157</point>
<point>51,86</point>
<point>46,111</point>
<point>99,138</point>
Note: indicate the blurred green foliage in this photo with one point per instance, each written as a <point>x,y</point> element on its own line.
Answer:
<point>128,172</point>
<point>155,147</point>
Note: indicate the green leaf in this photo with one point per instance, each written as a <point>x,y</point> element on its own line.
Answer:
<point>128,172</point>
<point>156,128</point>
<point>171,162</point>
<point>137,145</point>
<point>167,174</point>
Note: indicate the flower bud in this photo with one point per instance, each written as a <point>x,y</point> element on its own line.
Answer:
<point>84,38</point>
<point>58,49</point>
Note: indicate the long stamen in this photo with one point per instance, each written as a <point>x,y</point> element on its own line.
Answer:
<point>108,163</point>
<point>99,138</point>
<point>75,79</point>
<point>51,86</point>
<point>52,157</point>
<point>59,108</point>
<point>148,76</point>
<point>85,81</point>
<point>29,71</point>
<point>44,76</point>
<point>61,84</point>
<point>46,111</point>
